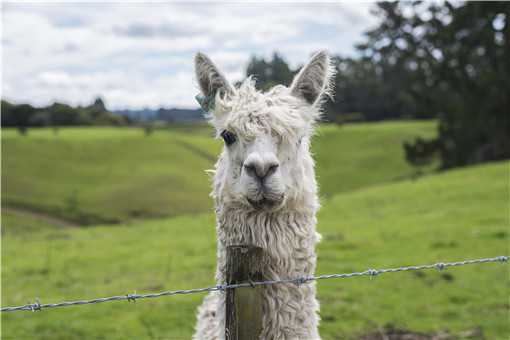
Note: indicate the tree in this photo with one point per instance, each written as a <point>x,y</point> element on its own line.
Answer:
<point>449,61</point>
<point>21,115</point>
<point>7,114</point>
<point>402,60</point>
<point>63,114</point>
<point>358,89</point>
<point>97,109</point>
<point>469,80</point>
<point>270,73</point>
<point>58,114</point>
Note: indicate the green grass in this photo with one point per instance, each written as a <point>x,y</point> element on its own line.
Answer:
<point>103,175</point>
<point>107,174</point>
<point>451,216</point>
<point>359,155</point>
<point>23,223</point>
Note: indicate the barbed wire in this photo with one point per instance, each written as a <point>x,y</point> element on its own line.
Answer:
<point>37,306</point>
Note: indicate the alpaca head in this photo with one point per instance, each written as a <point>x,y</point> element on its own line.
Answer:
<point>265,163</point>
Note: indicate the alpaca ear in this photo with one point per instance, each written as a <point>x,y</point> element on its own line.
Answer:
<point>210,79</point>
<point>314,79</point>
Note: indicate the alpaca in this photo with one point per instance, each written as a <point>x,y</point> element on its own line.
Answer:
<point>265,191</point>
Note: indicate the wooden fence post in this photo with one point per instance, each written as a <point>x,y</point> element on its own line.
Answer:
<point>244,305</point>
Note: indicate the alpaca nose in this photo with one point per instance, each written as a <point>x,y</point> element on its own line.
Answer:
<point>259,168</point>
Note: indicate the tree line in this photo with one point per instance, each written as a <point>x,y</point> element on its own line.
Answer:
<point>23,116</point>
<point>449,61</point>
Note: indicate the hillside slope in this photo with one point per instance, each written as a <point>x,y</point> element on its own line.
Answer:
<point>355,156</point>
<point>107,174</point>
<point>104,175</point>
<point>450,216</point>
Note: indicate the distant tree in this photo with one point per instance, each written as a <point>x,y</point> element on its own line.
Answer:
<point>421,152</point>
<point>429,59</point>
<point>23,130</point>
<point>466,81</point>
<point>6,110</point>
<point>18,116</point>
<point>400,60</point>
<point>59,114</point>
<point>22,115</point>
<point>63,114</point>
<point>99,105</point>
<point>358,89</point>
<point>97,110</point>
<point>270,73</point>
<point>148,129</point>
<point>41,118</point>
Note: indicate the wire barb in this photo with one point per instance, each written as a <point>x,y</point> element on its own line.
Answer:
<point>131,297</point>
<point>373,272</point>
<point>440,266</point>
<point>37,306</point>
<point>300,281</point>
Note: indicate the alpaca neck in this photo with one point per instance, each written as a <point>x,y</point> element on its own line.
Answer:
<point>288,239</point>
<point>263,229</point>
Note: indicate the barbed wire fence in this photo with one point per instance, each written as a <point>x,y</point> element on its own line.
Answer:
<point>37,306</point>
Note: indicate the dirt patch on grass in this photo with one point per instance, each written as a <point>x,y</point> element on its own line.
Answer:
<point>394,333</point>
<point>57,216</point>
<point>57,221</point>
<point>197,151</point>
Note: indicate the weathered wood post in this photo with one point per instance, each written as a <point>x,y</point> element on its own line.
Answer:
<point>244,305</point>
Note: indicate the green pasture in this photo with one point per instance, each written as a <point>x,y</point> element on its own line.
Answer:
<point>455,215</point>
<point>354,156</point>
<point>93,175</point>
<point>110,175</point>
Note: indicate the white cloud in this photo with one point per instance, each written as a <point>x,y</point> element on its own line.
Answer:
<point>137,55</point>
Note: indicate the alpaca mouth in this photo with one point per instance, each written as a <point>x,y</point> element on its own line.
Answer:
<point>265,203</point>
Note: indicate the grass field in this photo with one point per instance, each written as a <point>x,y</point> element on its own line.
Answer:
<point>452,216</point>
<point>375,214</point>
<point>104,175</point>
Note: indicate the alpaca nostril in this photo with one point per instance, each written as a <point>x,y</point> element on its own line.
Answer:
<point>259,171</point>
<point>251,170</point>
<point>271,169</point>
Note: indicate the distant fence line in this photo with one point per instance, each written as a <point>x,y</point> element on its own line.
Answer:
<point>37,306</point>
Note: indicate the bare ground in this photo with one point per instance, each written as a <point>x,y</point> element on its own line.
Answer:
<point>392,333</point>
<point>58,221</point>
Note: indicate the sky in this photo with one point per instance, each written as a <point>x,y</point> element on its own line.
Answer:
<point>138,55</point>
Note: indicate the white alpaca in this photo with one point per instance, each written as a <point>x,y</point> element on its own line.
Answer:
<point>265,192</point>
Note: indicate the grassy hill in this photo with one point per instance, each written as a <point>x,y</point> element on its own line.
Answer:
<point>360,155</point>
<point>450,216</point>
<point>104,175</point>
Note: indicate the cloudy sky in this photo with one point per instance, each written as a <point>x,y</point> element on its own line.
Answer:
<point>140,55</point>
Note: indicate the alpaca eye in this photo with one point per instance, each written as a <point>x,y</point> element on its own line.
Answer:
<point>228,137</point>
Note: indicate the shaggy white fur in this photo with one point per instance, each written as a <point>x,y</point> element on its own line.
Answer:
<point>265,192</point>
